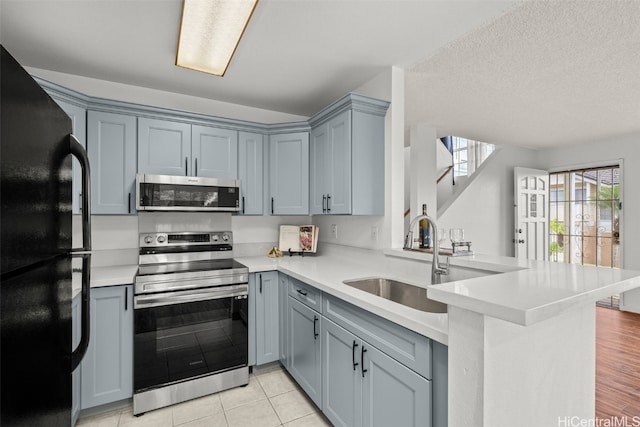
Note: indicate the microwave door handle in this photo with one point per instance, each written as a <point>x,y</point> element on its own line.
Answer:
<point>80,153</point>
<point>80,351</point>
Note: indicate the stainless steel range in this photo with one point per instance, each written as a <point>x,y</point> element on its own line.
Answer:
<point>190,318</point>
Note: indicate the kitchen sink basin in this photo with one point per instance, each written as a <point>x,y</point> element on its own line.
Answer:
<point>402,293</point>
<point>410,295</point>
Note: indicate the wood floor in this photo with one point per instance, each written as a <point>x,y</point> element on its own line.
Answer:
<point>617,364</point>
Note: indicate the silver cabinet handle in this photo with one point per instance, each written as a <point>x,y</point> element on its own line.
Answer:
<point>186,166</point>
<point>328,206</point>
<point>196,174</point>
<point>81,154</point>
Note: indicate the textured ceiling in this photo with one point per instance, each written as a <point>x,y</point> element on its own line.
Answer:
<point>543,74</point>
<point>533,73</point>
<point>296,56</point>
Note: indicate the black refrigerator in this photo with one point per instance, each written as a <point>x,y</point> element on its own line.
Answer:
<point>36,352</point>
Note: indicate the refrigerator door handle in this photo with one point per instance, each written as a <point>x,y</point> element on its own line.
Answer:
<point>85,317</point>
<point>80,153</point>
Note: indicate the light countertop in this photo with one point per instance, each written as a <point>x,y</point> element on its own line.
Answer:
<point>526,292</point>
<point>521,291</point>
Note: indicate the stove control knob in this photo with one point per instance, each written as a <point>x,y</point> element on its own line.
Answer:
<point>148,239</point>
<point>161,238</point>
<point>226,237</point>
<point>215,237</point>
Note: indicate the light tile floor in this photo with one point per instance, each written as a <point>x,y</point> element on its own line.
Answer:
<point>271,399</point>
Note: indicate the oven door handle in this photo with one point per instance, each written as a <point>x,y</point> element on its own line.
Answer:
<point>169,298</point>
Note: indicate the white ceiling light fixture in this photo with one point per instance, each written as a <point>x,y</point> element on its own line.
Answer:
<point>210,32</point>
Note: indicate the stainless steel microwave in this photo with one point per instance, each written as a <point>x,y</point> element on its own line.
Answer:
<point>186,193</point>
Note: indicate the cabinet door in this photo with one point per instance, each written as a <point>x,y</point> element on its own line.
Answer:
<point>267,328</point>
<point>111,146</point>
<point>318,173</point>
<point>391,393</point>
<point>214,152</point>
<point>164,147</point>
<point>341,376</point>
<point>339,170</point>
<point>305,357</point>
<point>289,174</point>
<point>283,290</point>
<point>107,368</point>
<point>76,312</point>
<point>78,116</point>
<point>250,155</point>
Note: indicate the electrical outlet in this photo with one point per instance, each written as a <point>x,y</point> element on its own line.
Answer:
<point>334,231</point>
<point>374,233</point>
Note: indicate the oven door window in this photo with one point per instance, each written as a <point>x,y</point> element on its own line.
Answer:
<point>182,341</point>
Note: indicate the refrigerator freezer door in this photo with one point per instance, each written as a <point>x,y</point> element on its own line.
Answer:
<point>35,172</point>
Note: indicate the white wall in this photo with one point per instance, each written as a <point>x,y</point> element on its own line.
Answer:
<point>357,230</point>
<point>485,208</point>
<point>158,98</point>
<point>624,149</point>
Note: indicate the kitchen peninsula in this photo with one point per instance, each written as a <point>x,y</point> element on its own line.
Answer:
<point>521,343</point>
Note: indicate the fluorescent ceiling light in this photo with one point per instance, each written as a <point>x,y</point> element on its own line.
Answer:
<point>210,33</point>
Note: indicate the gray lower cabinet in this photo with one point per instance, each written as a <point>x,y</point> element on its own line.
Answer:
<point>283,292</point>
<point>392,394</point>
<point>341,376</point>
<point>107,367</point>
<point>362,386</point>
<point>265,292</point>
<point>111,147</point>
<point>305,349</point>
<point>76,312</point>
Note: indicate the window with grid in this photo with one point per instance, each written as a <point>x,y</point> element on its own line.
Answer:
<point>584,207</point>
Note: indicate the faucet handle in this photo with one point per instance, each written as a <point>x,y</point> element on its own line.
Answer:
<point>408,240</point>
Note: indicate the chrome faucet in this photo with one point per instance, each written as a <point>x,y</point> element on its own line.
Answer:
<point>436,269</point>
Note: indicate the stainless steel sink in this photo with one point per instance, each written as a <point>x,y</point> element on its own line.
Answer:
<point>402,293</point>
<point>414,296</point>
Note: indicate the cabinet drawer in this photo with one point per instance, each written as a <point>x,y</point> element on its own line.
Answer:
<point>407,347</point>
<point>308,295</point>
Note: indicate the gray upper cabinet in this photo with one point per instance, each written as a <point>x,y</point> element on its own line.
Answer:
<point>107,367</point>
<point>164,147</point>
<point>111,147</point>
<point>214,152</point>
<point>168,147</point>
<point>331,166</point>
<point>250,173</point>
<point>347,157</point>
<point>289,174</point>
<point>78,116</point>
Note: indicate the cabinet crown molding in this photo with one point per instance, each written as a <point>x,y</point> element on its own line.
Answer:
<point>352,100</point>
